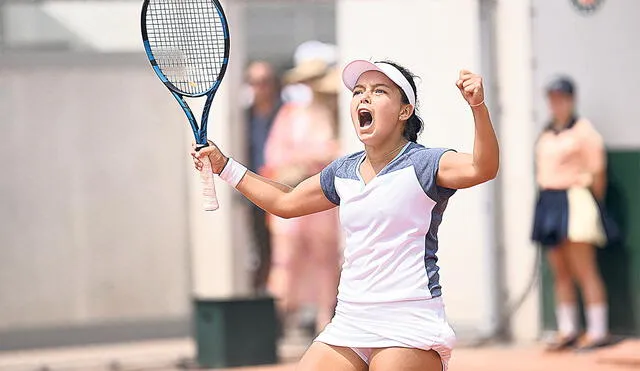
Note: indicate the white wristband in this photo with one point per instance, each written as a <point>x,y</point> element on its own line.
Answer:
<point>233,172</point>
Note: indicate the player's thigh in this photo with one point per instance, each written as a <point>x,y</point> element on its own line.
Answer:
<point>323,357</point>
<point>405,359</point>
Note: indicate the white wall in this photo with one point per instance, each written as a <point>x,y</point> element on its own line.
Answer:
<point>435,39</point>
<point>93,223</point>
<point>517,134</point>
<point>602,52</point>
<point>112,26</point>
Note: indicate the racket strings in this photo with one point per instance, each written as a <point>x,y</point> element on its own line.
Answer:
<point>188,41</point>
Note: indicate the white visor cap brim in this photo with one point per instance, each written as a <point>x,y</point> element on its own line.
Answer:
<point>355,69</point>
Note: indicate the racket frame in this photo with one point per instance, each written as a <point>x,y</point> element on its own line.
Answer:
<point>199,132</point>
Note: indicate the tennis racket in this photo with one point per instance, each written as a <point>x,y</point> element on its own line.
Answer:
<point>187,43</point>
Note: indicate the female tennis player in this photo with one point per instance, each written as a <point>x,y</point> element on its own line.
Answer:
<point>392,195</point>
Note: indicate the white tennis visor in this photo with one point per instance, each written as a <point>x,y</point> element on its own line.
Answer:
<point>355,69</point>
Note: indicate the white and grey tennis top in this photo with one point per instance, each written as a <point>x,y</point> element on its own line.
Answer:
<point>391,225</point>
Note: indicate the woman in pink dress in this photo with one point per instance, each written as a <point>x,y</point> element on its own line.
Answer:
<point>302,141</point>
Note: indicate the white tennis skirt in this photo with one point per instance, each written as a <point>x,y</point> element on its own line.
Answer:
<point>419,324</point>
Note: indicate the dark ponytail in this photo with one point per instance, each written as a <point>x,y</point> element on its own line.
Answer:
<point>414,125</point>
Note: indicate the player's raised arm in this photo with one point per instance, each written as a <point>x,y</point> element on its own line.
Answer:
<point>464,170</point>
<point>275,198</point>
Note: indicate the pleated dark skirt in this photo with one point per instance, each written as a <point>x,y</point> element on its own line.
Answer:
<point>568,215</point>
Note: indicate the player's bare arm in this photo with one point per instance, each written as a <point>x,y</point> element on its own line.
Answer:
<point>273,197</point>
<point>464,170</point>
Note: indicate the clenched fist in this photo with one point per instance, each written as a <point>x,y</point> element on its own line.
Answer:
<point>470,85</point>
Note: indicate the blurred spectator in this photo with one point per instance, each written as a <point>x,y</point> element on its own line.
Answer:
<point>302,142</point>
<point>308,51</point>
<point>265,103</point>
<point>571,175</point>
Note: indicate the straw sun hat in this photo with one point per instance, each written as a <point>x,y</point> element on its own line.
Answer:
<point>317,74</point>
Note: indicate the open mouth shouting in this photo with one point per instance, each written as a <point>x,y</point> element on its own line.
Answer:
<point>365,118</point>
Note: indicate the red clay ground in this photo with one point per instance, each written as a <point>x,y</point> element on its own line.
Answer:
<point>622,357</point>
<point>159,356</point>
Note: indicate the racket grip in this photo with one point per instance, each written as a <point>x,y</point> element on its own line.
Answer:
<point>210,200</point>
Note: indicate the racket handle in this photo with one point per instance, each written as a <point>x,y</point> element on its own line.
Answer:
<point>210,200</point>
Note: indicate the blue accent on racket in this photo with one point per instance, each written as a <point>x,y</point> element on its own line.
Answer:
<point>187,43</point>
<point>189,66</point>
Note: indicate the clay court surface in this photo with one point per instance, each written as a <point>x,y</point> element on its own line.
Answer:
<point>164,355</point>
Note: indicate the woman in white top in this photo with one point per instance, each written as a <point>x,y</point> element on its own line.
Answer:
<point>392,195</point>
